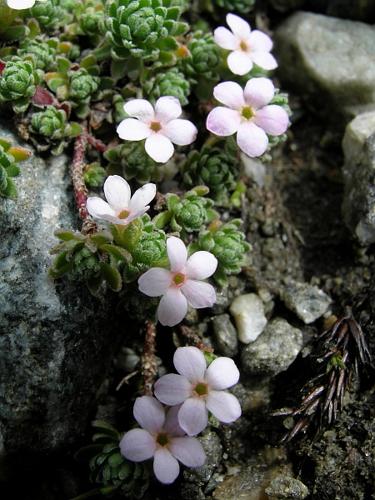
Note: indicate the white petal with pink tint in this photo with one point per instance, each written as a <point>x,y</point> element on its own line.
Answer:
<point>167,108</point>
<point>117,192</point>
<point>239,62</point>
<point>166,467</point>
<point>272,119</point>
<point>141,109</point>
<point>172,389</point>
<point>159,148</point>
<point>188,450</point>
<point>142,197</point>
<point>223,121</point>
<point>222,373</point>
<point>180,132</point>
<point>252,140</point>
<point>171,425</point>
<point>201,265</point>
<point>132,129</point>
<point>100,209</point>
<point>137,445</point>
<point>264,60</point>
<point>190,362</point>
<point>199,294</point>
<point>177,253</point>
<point>225,38</point>
<point>224,406</point>
<point>149,413</point>
<point>154,282</point>
<point>238,25</point>
<point>193,416</point>
<point>20,4</point>
<point>230,94</point>
<point>259,92</point>
<point>172,307</point>
<point>259,42</point>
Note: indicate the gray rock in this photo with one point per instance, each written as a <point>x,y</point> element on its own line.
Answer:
<point>308,302</point>
<point>225,335</point>
<point>288,488</point>
<point>56,341</point>
<point>359,173</point>
<point>274,350</point>
<point>363,10</point>
<point>328,59</point>
<point>248,313</point>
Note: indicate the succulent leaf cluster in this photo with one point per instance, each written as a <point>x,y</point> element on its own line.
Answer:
<point>203,57</point>
<point>171,82</point>
<point>49,14</point>
<point>18,82</point>
<point>9,157</point>
<point>240,6</point>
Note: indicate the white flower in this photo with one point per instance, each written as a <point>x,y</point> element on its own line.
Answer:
<point>160,438</point>
<point>160,126</point>
<point>248,113</point>
<point>200,389</point>
<point>22,4</point>
<point>246,46</point>
<point>121,208</point>
<point>181,285</point>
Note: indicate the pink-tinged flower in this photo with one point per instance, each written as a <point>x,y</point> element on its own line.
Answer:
<point>200,389</point>
<point>162,438</point>
<point>22,4</point>
<point>248,114</point>
<point>181,285</point>
<point>121,208</point>
<point>247,47</point>
<point>161,127</point>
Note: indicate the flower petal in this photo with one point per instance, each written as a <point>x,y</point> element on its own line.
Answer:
<point>137,445</point>
<point>188,450</point>
<point>199,294</point>
<point>201,265</point>
<point>20,4</point>
<point>132,129</point>
<point>264,60</point>
<point>230,94</point>
<point>172,426</point>
<point>224,406</point>
<point>155,281</point>
<point>252,140</point>
<point>141,109</point>
<point>190,362</point>
<point>259,42</point>
<point>166,467</point>
<point>117,192</point>
<point>225,39</point>
<point>177,253</point>
<point>238,25</point>
<point>272,119</point>
<point>223,121</point>
<point>100,209</point>
<point>172,307</point>
<point>142,197</point>
<point>149,413</point>
<point>239,62</point>
<point>167,108</point>
<point>222,373</point>
<point>172,389</point>
<point>180,132</point>
<point>193,416</point>
<point>159,148</point>
<point>258,92</point>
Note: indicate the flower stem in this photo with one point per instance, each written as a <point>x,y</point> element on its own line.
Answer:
<point>194,338</point>
<point>96,143</point>
<point>149,365</point>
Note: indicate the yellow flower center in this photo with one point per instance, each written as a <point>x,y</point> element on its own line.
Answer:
<point>155,126</point>
<point>162,439</point>
<point>244,46</point>
<point>201,389</point>
<point>247,112</point>
<point>123,214</point>
<point>179,279</point>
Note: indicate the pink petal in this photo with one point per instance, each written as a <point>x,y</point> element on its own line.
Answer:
<point>149,413</point>
<point>132,129</point>
<point>155,281</point>
<point>172,389</point>
<point>137,445</point>
<point>272,119</point>
<point>201,265</point>
<point>223,121</point>
<point>141,109</point>
<point>224,406</point>
<point>239,62</point>
<point>225,39</point>
<point>100,209</point>
<point>190,362</point>
<point>172,307</point>
<point>172,426</point>
<point>199,294</point>
<point>252,140</point>
<point>259,42</point>
<point>188,450</point>
<point>230,94</point>
<point>180,132</point>
<point>238,25</point>
<point>177,253</point>
<point>166,467</point>
<point>167,108</point>
<point>193,416</point>
<point>222,373</point>
<point>142,197</point>
<point>264,60</point>
<point>259,92</point>
<point>159,148</point>
<point>117,192</point>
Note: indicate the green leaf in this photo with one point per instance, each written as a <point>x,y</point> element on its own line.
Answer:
<point>12,170</point>
<point>161,220</point>
<point>172,201</point>
<point>19,154</point>
<point>65,235</point>
<point>117,252</point>
<point>74,129</point>
<point>112,276</point>
<point>63,64</point>
<point>10,191</point>
<point>115,459</point>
